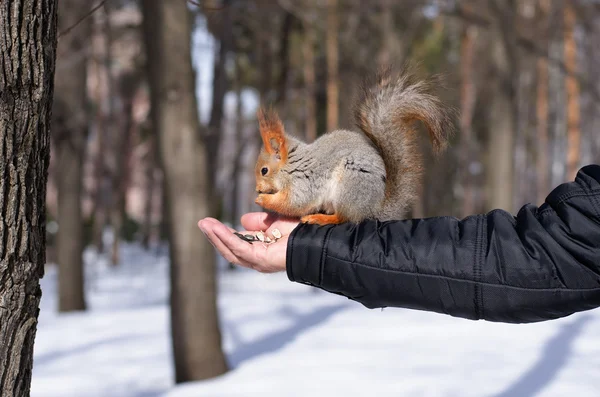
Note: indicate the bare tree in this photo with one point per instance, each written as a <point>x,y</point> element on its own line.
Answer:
<point>308,52</point>
<point>543,174</point>
<point>467,107</point>
<point>503,110</point>
<point>240,143</point>
<point>387,33</point>
<point>98,203</point>
<point>215,123</point>
<point>332,65</point>
<point>103,164</point>
<point>195,329</point>
<point>572,89</point>
<point>149,183</point>
<point>283,63</point>
<point>128,85</point>
<point>70,130</point>
<point>27,63</point>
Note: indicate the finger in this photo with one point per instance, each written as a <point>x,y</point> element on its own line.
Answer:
<point>241,249</point>
<point>207,228</point>
<point>219,246</point>
<point>211,222</point>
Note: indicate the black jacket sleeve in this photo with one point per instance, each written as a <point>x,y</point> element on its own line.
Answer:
<point>540,265</point>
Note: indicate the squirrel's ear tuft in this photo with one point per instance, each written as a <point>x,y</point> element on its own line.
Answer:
<point>272,133</point>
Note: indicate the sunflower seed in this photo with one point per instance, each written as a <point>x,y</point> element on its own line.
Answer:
<point>246,237</point>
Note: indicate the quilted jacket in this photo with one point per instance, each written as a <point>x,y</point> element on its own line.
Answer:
<point>542,264</point>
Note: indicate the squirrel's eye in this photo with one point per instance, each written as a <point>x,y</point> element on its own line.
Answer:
<point>264,171</point>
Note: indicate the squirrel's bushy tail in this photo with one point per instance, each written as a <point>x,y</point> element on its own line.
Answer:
<point>386,111</point>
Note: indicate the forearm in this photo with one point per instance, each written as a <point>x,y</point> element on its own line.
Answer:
<point>537,266</point>
<point>376,265</point>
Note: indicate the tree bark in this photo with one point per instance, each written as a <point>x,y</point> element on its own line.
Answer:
<point>572,90</point>
<point>240,147</point>
<point>240,142</point>
<point>504,109</point>
<point>284,63</point>
<point>308,52</point>
<point>121,182</point>
<point>542,163</point>
<point>467,107</point>
<point>215,123</point>
<point>387,32</point>
<point>557,103</point>
<point>27,61</point>
<point>195,329</point>
<point>128,86</point>
<point>149,190</point>
<point>332,66</point>
<point>593,64</point>
<point>104,158</point>
<point>99,208</point>
<point>70,130</point>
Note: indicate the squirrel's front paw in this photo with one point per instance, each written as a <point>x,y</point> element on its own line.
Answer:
<point>260,200</point>
<point>322,219</point>
<point>271,202</point>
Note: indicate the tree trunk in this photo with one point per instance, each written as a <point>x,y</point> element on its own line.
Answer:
<point>332,66</point>
<point>27,59</point>
<point>121,178</point>
<point>387,28</point>
<point>240,142</point>
<point>557,103</point>
<point>308,52</point>
<point>264,80</point>
<point>240,146</point>
<point>70,125</point>
<point>195,329</point>
<point>503,110</point>
<point>128,85</point>
<point>467,108</point>
<point>542,163</point>
<point>105,157</point>
<point>265,57</point>
<point>149,191</point>
<point>284,64</point>
<point>98,209</point>
<point>593,64</point>
<point>114,134</point>
<point>572,90</point>
<point>500,152</point>
<point>215,123</point>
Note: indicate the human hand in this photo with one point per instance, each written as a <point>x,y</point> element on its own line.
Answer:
<point>265,258</point>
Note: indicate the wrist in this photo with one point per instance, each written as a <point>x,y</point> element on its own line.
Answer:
<point>305,254</point>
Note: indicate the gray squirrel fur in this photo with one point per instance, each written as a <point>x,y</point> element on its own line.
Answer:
<point>372,173</point>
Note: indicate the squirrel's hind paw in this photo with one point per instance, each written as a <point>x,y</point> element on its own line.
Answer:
<point>322,219</point>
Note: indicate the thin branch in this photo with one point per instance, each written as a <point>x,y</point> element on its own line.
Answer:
<point>83,18</point>
<point>307,18</point>
<point>204,7</point>
<point>102,2</point>
<point>527,44</point>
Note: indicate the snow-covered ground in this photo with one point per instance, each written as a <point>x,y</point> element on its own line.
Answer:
<point>286,339</point>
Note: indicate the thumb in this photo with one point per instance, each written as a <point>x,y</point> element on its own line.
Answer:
<point>253,221</point>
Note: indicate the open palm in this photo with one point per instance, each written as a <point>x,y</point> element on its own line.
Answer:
<point>265,258</point>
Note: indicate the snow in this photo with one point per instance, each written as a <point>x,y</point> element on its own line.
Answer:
<point>287,339</point>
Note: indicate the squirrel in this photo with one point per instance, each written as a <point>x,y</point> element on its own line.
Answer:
<point>350,176</point>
